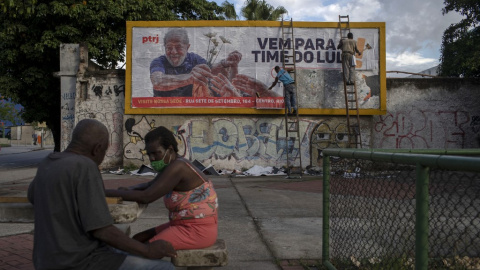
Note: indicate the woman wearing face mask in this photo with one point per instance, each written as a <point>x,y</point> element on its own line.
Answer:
<point>188,195</point>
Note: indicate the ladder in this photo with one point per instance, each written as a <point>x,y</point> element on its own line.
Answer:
<point>350,92</point>
<point>292,124</point>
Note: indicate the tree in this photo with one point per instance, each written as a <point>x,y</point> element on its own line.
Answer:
<point>229,10</point>
<point>32,31</point>
<point>260,10</point>
<point>7,113</point>
<point>460,52</point>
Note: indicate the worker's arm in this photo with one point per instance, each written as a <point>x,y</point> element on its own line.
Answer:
<point>273,84</point>
<point>356,49</point>
<point>340,44</point>
<point>119,240</point>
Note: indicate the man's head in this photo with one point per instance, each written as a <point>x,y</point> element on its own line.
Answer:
<point>350,36</point>
<point>277,69</point>
<point>89,138</point>
<point>176,46</point>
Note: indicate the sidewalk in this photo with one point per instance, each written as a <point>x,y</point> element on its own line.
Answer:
<point>14,149</point>
<point>267,222</point>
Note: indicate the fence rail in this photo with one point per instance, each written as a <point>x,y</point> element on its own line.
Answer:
<point>401,209</point>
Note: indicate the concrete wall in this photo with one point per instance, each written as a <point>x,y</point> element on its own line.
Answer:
<point>47,137</point>
<point>22,135</point>
<point>69,65</point>
<point>237,142</point>
<point>429,113</point>
<point>233,142</point>
<point>421,113</point>
<point>102,97</point>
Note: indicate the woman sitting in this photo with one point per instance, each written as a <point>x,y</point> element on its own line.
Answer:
<point>188,195</point>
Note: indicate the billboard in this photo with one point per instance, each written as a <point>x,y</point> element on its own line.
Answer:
<point>227,67</point>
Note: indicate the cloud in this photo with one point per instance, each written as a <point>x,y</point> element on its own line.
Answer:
<point>409,59</point>
<point>408,62</point>
<point>414,29</point>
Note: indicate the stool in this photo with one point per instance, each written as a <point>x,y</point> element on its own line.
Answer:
<point>203,259</point>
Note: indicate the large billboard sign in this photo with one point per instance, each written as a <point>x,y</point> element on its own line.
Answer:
<point>227,67</point>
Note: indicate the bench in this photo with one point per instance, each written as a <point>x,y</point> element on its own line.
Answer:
<point>203,259</point>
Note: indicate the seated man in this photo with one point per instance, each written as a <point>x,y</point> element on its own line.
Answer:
<point>73,225</point>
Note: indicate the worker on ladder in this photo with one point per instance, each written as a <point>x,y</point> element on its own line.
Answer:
<point>348,47</point>
<point>289,85</point>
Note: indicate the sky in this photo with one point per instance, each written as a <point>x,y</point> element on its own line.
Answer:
<point>414,28</point>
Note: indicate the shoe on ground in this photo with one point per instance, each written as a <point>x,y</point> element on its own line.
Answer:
<point>294,112</point>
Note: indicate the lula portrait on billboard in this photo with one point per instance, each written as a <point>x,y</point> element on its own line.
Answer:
<point>228,66</point>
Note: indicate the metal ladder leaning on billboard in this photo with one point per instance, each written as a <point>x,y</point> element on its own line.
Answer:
<point>350,91</point>
<point>292,124</point>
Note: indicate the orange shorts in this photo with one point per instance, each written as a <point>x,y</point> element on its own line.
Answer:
<point>188,234</point>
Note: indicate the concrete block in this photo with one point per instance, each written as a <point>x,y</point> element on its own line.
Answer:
<point>206,258</point>
<point>16,212</point>
<point>126,212</point>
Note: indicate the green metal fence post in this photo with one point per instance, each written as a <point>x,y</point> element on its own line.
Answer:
<point>421,222</point>
<point>326,209</point>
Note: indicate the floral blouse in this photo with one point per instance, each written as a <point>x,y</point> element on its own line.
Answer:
<point>200,202</point>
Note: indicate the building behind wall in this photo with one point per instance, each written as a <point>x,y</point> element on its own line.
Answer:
<point>23,135</point>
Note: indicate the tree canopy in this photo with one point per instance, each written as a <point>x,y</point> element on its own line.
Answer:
<point>460,52</point>
<point>260,10</point>
<point>8,112</point>
<point>32,31</point>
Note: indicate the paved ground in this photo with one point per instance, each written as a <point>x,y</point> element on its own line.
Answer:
<point>267,222</point>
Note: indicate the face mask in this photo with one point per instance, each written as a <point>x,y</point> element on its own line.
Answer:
<point>159,165</point>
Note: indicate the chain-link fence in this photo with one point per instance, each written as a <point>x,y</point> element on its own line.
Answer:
<point>400,211</point>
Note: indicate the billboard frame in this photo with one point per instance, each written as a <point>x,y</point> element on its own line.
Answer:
<point>221,110</point>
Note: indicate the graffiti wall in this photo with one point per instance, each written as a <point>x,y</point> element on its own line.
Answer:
<point>417,118</point>
<point>226,143</point>
<point>69,65</point>
<point>102,98</point>
<point>423,113</point>
<point>429,113</point>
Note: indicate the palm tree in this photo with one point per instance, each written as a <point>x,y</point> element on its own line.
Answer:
<point>261,11</point>
<point>229,11</point>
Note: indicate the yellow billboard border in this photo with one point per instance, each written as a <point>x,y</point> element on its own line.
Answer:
<point>204,110</point>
